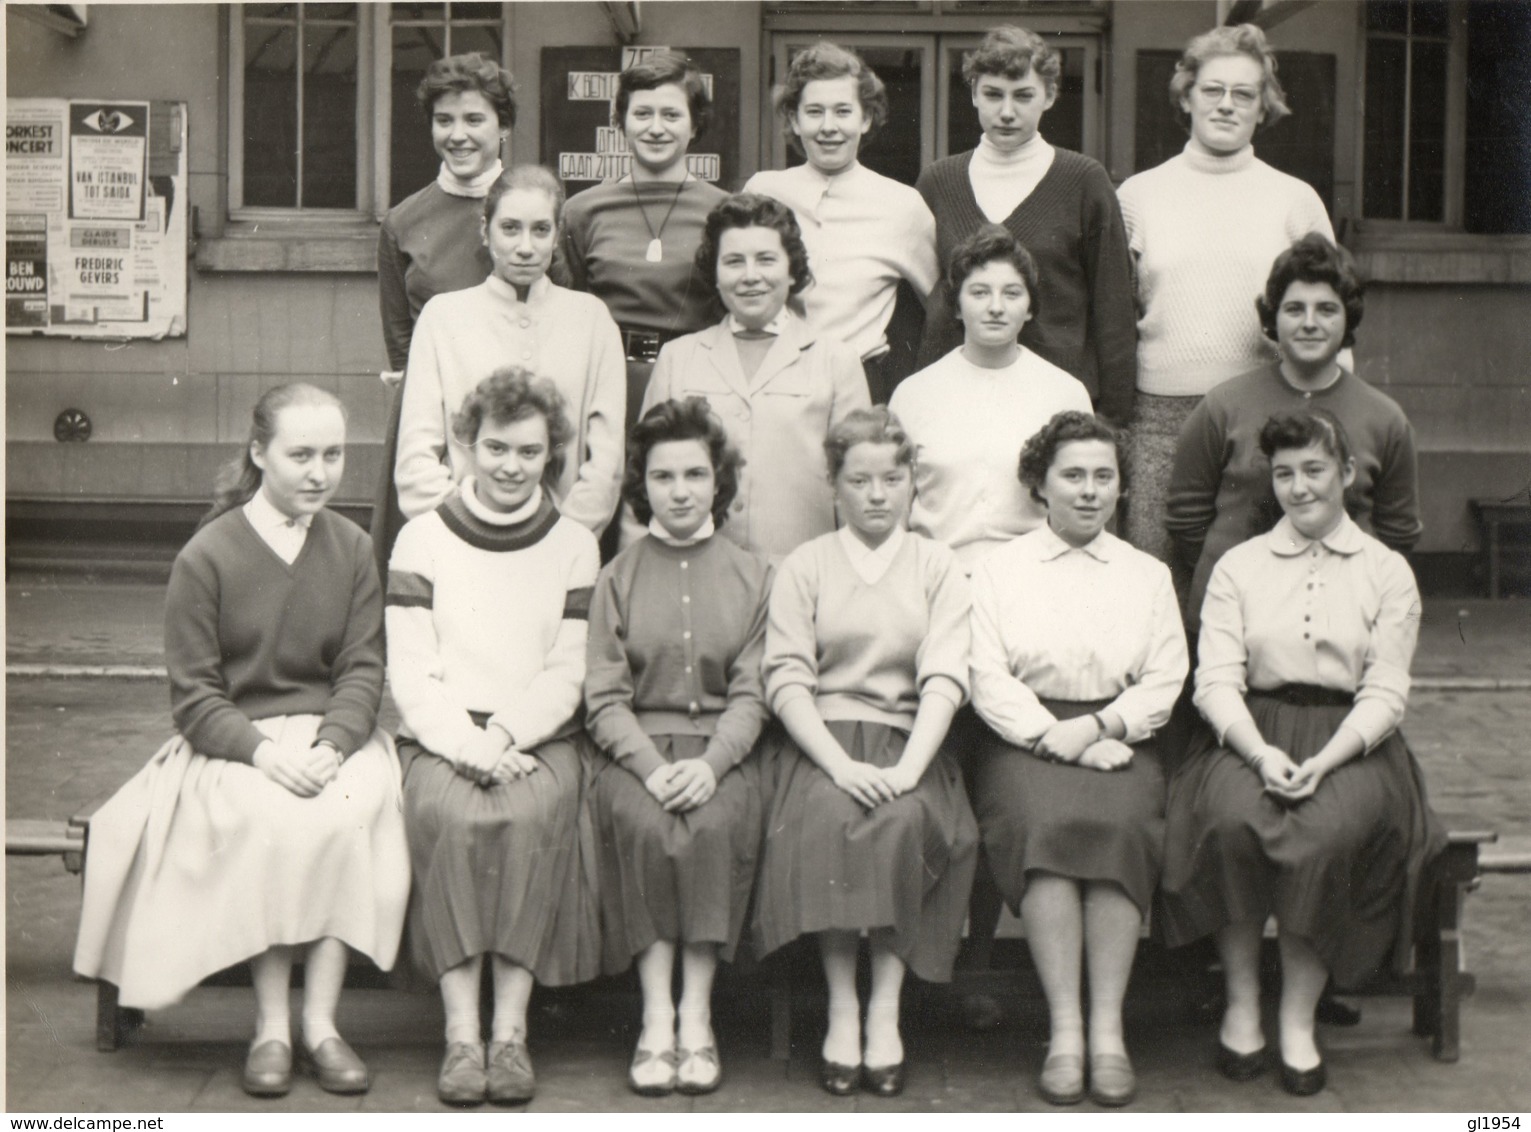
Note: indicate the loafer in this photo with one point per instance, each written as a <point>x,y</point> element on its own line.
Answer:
<point>1112,1081</point>
<point>462,1079</point>
<point>268,1070</point>
<point>887,1081</point>
<point>664,1085</point>
<point>839,1080</point>
<point>1240,1066</point>
<point>510,1076</point>
<point>699,1071</point>
<point>1062,1079</point>
<point>1304,1082</point>
<point>337,1067</point>
<point>1332,1012</point>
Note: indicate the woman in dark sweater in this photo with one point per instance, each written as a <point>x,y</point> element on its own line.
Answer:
<point>1058,203</point>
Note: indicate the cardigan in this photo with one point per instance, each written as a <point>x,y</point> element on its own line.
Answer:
<point>1220,490</point>
<point>248,636</point>
<point>867,651</point>
<point>465,336</point>
<point>488,618</point>
<point>676,636</point>
<point>1085,316</point>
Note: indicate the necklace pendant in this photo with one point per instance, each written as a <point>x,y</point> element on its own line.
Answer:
<point>655,252</point>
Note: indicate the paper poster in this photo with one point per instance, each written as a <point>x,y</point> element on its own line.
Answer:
<point>108,160</point>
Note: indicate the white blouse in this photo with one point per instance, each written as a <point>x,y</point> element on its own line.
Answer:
<point>1056,622</point>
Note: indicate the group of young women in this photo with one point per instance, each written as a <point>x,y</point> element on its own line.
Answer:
<point>848,658</point>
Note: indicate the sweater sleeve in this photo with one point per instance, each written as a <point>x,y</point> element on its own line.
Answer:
<point>1195,477</point>
<point>739,725</point>
<point>573,248</point>
<point>421,474</point>
<point>790,666</point>
<point>199,699</point>
<point>356,681</point>
<point>1113,319</point>
<point>1005,703</point>
<point>1146,703</point>
<point>609,715</point>
<point>592,498</point>
<point>941,661</point>
<point>1395,495</point>
<point>393,299</point>
<point>922,270</point>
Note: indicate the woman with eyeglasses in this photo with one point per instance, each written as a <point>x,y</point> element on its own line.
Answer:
<point>1202,229</point>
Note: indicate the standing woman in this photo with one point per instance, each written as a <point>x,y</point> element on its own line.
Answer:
<point>270,823</point>
<point>487,603</point>
<point>673,697</point>
<point>1203,229</point>
<point>1058,203</point>
<point>864,231</point>
<point>776,383</point>
<point>516,317</point>
<point>1078,657</point>
<point>632,242</point>
<point>1302,801</point>
<point>1220,489</point>
<point>870,831</point>
<point>432,240</point>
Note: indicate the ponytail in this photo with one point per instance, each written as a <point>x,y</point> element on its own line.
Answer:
<point>240,479</point>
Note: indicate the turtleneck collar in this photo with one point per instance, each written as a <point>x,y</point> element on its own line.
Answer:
<point>476,187</point>
<point>1036,149</point>
<point>1218,162</point>
<point>703,533</point>
<point>498,518</point>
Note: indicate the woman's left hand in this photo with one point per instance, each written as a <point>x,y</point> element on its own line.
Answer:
<point>1302,785</point>
<point>511,766</point>
<point>692,784</point>
<point>1064,742</point>
<point>901,778</point>
<point>1106,754</point>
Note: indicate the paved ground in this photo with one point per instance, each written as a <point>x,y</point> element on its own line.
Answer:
<point>71,740</point>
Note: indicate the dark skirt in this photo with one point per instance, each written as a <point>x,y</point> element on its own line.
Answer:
<point>501,869</point>
<point>679,877</point>
<point>387,519</point>
<point>902,870</point>
<point>1069,820</point>
<point>1342,870</point>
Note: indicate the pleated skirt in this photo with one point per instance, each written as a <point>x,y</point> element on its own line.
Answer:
<point>1037,816</point>
<point>1156,425</point>
<point>505,870</point>
<point>680,877</point>
<point>197,864</point>
<point>1343,869</point>
<point>902,870</point>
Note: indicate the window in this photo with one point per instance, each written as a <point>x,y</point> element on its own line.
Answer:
<point>1408,104</point>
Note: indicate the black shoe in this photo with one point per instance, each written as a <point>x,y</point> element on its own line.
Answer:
<point>1240,1066</point>
<point>1304,1082</point>
<point>1333,1012</point>
<point>839,1080</point>
<point>885,1082</point>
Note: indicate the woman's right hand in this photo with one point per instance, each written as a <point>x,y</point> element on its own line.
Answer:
<point>1106,754</point>
<point>303,770</point>
<point>1275,768</point>
<point>478,758</point>
<point>863,782</point>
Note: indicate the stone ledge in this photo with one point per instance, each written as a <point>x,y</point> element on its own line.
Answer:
<point>1441,257</point>
<point>306,249</point>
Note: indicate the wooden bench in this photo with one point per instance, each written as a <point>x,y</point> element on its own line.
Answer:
<point>1492,516</point>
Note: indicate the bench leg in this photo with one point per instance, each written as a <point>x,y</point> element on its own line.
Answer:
<point>1446,972</point>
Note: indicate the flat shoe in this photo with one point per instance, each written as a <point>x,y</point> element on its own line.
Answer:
<point>1240,1066</point>
<point>1112,1082</point>
<point>337,1067</point>
<point>462,1079</point>
<point>888,1081</point>
<point>1062,1079</point>
<point>839,1080</point>
<point>510,1076</point>
<point>1333,1012</point>
<point>1304,1082</point>
<point>268,1070</point>
<point>660,1088</point>
<point>712,1071</point>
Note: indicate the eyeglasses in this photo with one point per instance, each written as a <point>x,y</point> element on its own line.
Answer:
<point>1244,97</point>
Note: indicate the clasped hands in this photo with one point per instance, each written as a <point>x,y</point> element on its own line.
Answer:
<point>682,785</point>
<point>1078,741</point>
<point>490,758</point>
<point>871,785</point>
<point>303,770</point>
<point>1285,780</point>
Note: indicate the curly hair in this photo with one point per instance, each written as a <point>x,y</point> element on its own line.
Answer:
<point>1313,259</point>
<point>525,177</point>
<point>239,479</point>
<point>689,419</point>
<point>991,243</point>
<point>1241,39</point>
<point>512,394</point>
<point>1010,52</point>
<point>866,426</point>
<point>1041,448</point>
<point>825,60</point>
<point>752,210</point>
<point>1303,429</point>
<point>663,69</point>
<point>473,71</point>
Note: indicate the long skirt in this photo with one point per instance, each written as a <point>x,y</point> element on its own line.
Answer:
<point>197,864</point>
<point>901,870</point>
<point>1156,425</point>
<point>503,869</point>
<point>1038,816</point>
<point>680,877</point>
<point>1342,869</point>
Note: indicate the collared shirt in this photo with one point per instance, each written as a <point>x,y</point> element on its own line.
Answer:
<point>772,327</point>
<point>703,533</point>
<point>499,518</point>
<point>284,534</point>
<point>1340,612</point>
<point>1058,622</point>
<point>871,563</point>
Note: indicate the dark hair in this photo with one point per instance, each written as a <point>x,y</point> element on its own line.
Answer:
<point>511,394</point>
<point>1240,39</point>
<point>663,69</point>
<point>825,60</point>
<point>473,71</point>
<point>240,479</point>
<point>1303,429</point>
<point>1313,259</point>
<point>990,243</point>
<point>1041,448</point>
<point>866,426</point>
<point>1010,52</point>
<point>689,419</point>
<point>752,210</point>
<point>525,177</point>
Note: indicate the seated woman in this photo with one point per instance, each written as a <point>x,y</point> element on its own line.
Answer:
<point>487,600</point>
<point>1306,638</point>
<point>1078,657</point>
<point>870,831</point>
<point>270,823</point>
<point>673,696</point>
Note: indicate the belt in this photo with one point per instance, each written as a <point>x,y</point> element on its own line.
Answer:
<point>642,344</point>
<point>1306,695</point>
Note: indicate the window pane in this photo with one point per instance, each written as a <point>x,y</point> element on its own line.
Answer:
<point>329,111</point>
<point>1431,18</point>
<point>436,13</point>
<point>474,12</point>
<point>271,115</point>
<point>1382,183</point>
<point>1427,133</point>
<point>1495,197</point>
<point>412,160</point>
<point>484,40</point>
<point>1387,15</point>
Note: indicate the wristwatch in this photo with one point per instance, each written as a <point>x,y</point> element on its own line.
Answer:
<point>1100,723</point>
